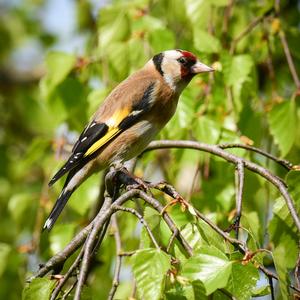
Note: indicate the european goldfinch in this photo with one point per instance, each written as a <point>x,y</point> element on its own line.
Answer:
<point>129,118</point>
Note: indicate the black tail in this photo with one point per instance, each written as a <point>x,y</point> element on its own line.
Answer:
<point>61,201</point>
<point>70,165</point>
<point>57,209</point>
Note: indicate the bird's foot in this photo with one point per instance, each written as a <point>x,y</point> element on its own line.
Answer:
<point>131,181</point>
<point>138,184</point>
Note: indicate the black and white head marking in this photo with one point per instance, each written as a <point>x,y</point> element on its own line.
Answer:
<point>157,60</point>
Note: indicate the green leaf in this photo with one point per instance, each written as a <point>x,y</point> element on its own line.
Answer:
<point>220,3</point>
<point>210,236</point>
<point>205,42</point>
<point>58,65</point>
<point>251,222</point>
<point>182,292</point>
<point>191,234</point>
<point>117,31</point>
<point>87,191</point>
<point>261,291</point>
<point>236,72</point>
<point>161,39</point>
<point>119,60</point>
<point>207,130</point>
<point>180,217</point>
<point>158,227</point>
<point>198,12</point>
<point>210,266</point>
<point>199,290</point>
<point>242,280</point>
<point>39,288</point>
<point>281,210</point>
<point>60,236</point>
<point>292,180</point>
<point>4,253</point>
<point>18,206</point>
<point>282,235</point>
<point>282,123</point>
<point>279,255</point>
<point>149,268</point>
<point>237,68</point>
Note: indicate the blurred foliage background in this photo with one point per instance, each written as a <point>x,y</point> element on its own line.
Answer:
<point>58,61</point>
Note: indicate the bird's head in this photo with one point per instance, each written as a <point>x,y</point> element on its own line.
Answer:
<point>178,67</point>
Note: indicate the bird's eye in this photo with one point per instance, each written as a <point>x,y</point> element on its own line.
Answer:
<point>182,60</point>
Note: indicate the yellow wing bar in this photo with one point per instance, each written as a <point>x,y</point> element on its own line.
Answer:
<point>113,130</point>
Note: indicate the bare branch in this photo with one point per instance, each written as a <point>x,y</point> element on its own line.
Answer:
<point>287,51</point>
<point>271,287</point>
<point>275,180</point>
<point>71,270</point>
<point>289,58</point>
<point>95,231</point>
<point>246,31</point>
<point>142,220</point>
<point>116,279</point>
<point>62,256</point>
<point>297,271</point>
<point>157,205</point>
<point>67,293</point>
<point>235,242</point>
<point>286,164</point>
<point>239,175</point>
<point>98,222</point>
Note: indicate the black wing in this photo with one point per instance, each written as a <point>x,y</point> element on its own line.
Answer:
<point>93,132</point>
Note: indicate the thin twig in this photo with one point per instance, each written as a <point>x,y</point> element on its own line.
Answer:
<point>286,49</point>
<point>271,287</point>
<point>142,220</point>
<point>289,58</point>
<point>116,279</point>
<point>104,214</point>
<point>127,253</point>
<point>297,270</point>
<point>171,241</point>
<point>100,198</point>
<point>239,175</point>
<point>235,242</point>
<point>63,255</point>
<point>227,16</point>
<point>285,163</point>
<point>246,31</point>
<point>67,293</point>
<point>67,275</point>
<point>159,207</point>
<point>99,221</point>
<point>274,276</point>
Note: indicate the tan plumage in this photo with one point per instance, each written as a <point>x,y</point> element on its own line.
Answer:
<point>129,118</point>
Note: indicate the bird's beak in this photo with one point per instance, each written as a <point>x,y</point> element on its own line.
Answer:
<point>199,67</point>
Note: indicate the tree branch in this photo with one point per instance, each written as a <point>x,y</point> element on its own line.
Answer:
<point>142,220</point>
<point>116,279</point>
<point>275,180</point>
<point>239,175</point>
<point>286,164</point>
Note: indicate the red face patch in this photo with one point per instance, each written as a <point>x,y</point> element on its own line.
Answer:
<point>190,56</point>
<point>187,60</point>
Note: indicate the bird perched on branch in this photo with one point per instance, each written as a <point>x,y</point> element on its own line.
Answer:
<point>129,118</point>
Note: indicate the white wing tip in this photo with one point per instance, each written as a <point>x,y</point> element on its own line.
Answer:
<point>48,224</point>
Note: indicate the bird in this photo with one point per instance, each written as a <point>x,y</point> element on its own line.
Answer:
<point>127,120</point>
